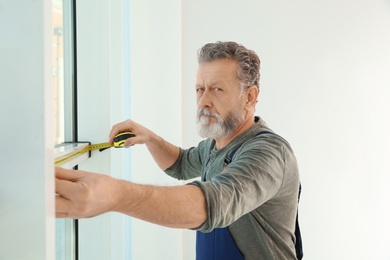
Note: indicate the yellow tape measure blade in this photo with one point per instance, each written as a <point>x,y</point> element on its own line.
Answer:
<point>119,141</point>
<point>100,147</point>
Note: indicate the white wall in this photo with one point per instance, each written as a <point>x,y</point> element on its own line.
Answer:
<point>155,80</point>
<point>325,87</point>
<point>26,133</point>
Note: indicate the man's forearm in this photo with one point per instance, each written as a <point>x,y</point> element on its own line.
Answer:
<point>164,153</point>
<point>177,206</point>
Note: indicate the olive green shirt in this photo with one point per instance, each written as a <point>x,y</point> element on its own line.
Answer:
<point>256,195</point>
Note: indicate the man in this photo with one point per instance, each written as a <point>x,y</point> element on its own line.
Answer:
<point>243,207</point>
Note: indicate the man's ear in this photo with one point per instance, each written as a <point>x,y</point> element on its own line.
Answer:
<point>252,95</point>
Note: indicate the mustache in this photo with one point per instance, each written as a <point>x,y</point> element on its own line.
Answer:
<point>207,112</point>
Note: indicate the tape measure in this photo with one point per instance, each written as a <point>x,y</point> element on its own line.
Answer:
<point>119,142</point>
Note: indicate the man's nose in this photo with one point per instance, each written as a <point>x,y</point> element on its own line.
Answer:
<point>205,100</point>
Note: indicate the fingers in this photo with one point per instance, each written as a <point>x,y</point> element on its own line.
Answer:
<point>66,209</point>
<point>83,194</point>
<point>127,125</point>
<point>69,192</point>
<point>139,131</point>
<point>66,182</point>
<point>67,189</point>
<point>65,174</point>
<point>62,215</point>
<point>62,207</point>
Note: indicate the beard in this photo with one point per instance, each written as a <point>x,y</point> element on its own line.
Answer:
<point>222,128</point>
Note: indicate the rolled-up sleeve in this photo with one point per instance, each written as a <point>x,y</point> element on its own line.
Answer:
<point>188,165</point>
<point>254,177</point>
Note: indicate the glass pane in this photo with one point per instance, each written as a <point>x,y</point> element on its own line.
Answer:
<point>65,239</point>
<point>58,71</point>
<point>63,85</point>
<point>63,71</point>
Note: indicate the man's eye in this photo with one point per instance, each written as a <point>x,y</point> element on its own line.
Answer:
<point>217,89</point>
<point>199,90</point>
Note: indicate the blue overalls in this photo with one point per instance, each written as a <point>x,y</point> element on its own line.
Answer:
<point>216,245</point>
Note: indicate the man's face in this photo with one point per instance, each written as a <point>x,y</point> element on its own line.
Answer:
<point>218,96</point>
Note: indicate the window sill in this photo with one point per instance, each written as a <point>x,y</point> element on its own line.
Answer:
<point>68,155</point>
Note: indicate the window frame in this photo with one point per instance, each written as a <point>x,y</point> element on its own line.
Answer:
<point>66,230</point>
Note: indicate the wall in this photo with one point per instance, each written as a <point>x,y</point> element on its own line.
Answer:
<point>324,87</point>
<point>155,80</point>
<point>26,133</point>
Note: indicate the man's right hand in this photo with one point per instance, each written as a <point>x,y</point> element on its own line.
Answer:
<point>164,153</point>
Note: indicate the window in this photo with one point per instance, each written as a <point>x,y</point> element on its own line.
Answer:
<point>64,108</point>
<point>63,71</point>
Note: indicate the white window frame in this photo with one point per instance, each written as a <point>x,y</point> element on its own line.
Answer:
<point>112,41</point>
<point>103,91</point>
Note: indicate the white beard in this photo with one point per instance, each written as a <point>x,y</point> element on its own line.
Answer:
<point>222,128</point>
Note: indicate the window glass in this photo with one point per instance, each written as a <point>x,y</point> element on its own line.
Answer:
<point>63,71</point>
<point>58,70</point>
<point>65,239</point>
<point>64,109</point>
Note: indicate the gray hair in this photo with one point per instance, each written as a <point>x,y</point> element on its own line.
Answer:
<point>248,73</point>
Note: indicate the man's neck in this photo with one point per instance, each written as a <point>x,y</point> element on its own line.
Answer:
<point>224,141</point>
